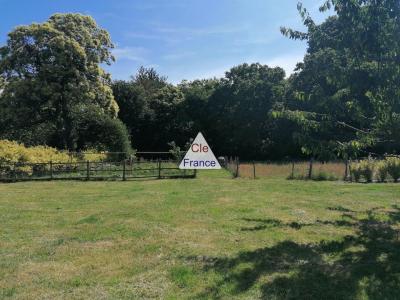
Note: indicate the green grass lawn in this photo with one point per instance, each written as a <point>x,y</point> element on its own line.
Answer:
<point>210,237</point>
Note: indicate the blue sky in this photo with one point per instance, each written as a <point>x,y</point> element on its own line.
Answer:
<point>181,39</point>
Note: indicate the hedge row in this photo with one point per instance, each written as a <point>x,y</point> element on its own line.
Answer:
<point>370,170</point>
<point>13,152</point>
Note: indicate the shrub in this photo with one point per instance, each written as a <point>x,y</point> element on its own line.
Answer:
<point>368,169</point>
<point>13,155</point>
<point>382,170</point>
<point>103,133</point>
<point>355,171</point>
<point>320,176</point>
<point>324,176</point>
<point>393,167</point>
<point>13,152</point>
<point>296,177</point>
<point>363,169</point>
<point>92,155</point>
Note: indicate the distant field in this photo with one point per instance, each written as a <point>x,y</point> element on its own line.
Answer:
<point>283,170</point>
<point>205,238</point>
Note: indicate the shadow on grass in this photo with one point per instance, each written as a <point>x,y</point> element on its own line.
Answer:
<point>365,265</point>
<point>269,223</point>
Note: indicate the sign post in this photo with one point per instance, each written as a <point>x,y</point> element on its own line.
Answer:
<point>199,156</point>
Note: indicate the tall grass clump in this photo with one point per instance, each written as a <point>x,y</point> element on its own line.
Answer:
<point>393,167</point>
<point>382,171</point>
<point>355,172</point>
<point>370,169</point>
<point>324,176</point>
<point>364,169</point>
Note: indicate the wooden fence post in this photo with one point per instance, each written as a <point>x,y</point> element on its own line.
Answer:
<point>51,169</point>
<point>346,171</point>
<point>292,175</point>
<point>159,169</point>
<point>124,170</point>
<point>237,167</point>
<point>254,170</point>
<point>310,168</point>
<point>87,170</point>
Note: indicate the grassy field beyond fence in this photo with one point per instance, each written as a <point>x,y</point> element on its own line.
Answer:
<point>285,169</point>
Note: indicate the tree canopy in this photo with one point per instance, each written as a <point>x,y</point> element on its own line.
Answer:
<point>52,74</point>
<point>345,95</point>
<point>343,99</point>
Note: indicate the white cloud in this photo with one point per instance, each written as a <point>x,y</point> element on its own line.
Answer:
<point>137,54</point>
<point>179,55</point>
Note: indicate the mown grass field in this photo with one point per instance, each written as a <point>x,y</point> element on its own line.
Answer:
<point>206,238</point>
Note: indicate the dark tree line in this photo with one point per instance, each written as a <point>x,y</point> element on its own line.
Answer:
<point>343,99</point>
<point>232,112</point>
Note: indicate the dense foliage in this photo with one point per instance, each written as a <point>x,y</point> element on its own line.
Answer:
<point>370,170</point>
<point>342,101</point>
<point>345,96</point>
<point>52,76</point>
<point>13,152</point>
<point>233,112</point>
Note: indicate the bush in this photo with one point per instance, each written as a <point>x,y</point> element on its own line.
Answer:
<point>19,160</point>
<point>92,155</point>
<point>393,167</point>
<point>382,171</point>
<point>324,176</point>
<point>14,157</point>
<point>296,177</point>
<point>13,152</point>
<point>368,169</point>
<point>103,133</point>
<point>355,172</point>
<point>363,169</point>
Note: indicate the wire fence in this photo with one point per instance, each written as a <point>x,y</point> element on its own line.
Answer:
<point>332,170</point>
<point>94,170</point>
<point>359,170</point>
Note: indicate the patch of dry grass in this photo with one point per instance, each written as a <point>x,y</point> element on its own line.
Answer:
<point>283,170</point>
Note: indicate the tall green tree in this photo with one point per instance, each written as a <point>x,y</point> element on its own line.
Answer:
<point>345,96</point>
<point>152,109</point>
<point>53,73</point>
<point>196,94</point>
<point>237,118</point>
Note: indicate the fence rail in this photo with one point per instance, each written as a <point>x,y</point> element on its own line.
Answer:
<point>338,169</point>
<point>93,170</point>
<point>376,171</point>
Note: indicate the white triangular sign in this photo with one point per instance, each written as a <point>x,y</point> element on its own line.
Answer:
<point>199,156</point>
